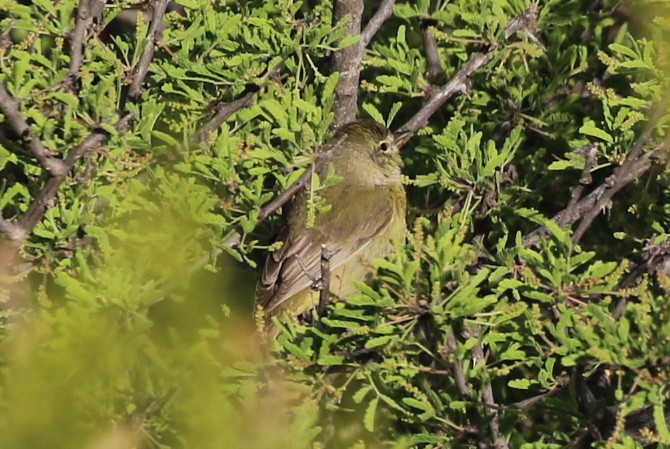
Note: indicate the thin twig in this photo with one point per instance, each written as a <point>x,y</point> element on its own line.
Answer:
<point>462,386</point>
<point>324,282</point>
<point>284,197</point>
<point>77,45</point>
<point>489,401</point>
<point>561,382</point>
<point>459,83</point>
<point>382,14</point>
<point>347,62</point>
<point>637,169</point>
<point>527,23</point>
<point>620,176</point>
<point>10,109</point>
<point>430,46</point>
<point>589,153</point>
<point>142,68</point>
<point>223,112</point>
<point>47,196</point>
<point>655,256</point>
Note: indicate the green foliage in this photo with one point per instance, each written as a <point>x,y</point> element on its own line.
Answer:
<point>114,337</point>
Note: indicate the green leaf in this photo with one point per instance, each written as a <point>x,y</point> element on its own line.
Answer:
<point>370,412</point>
<point>348,41</point>
<point>521,384</point>
<point>361,393</point>
<point>373,112</point>
<point>378,341</point>
<point>590,129</point>
<point>427,408</point>
<point>661,424</point>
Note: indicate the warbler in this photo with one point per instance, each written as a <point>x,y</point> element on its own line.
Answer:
<point>364,219</point>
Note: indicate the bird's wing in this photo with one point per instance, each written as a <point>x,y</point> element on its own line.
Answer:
<point>297,264</point>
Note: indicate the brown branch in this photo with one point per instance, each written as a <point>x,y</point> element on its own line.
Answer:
<point>637,169</point>
<point>430,45</point>
<point>284,197</point>
<point>142,68</point>
<point>589,153</point>
<point>382,14</point>
<point>527,23</point>
<point>655,259</point>
<point>347,62</point>
<point>77,50</point>
<point>459,83</point>
<point>10,109</point>
<point>324,281</point>
<point>462,386</point>
<point>490,407</point>
<point>47,196</point>
<point>223,112</point>
<point>562,381</point>
<point>635,165</point>
<point>620,176</point>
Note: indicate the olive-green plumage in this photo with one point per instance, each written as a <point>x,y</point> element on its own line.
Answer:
<point>366,219</point>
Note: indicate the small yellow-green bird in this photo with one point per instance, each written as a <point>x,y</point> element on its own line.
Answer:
<point>365,220</point>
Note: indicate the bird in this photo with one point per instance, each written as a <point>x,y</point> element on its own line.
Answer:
<point>364,219</point>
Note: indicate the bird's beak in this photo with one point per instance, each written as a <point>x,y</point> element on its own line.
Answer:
<point>401,137</point>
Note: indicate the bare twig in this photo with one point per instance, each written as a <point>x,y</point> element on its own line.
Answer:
<point>635,165</point>
<point>459,83</point>
<point>347,62</point>
<point>620,176</point>
<point>655,258</point>
<point>77,50</point>
<point>527,404</point>
<point>142,68</point>
<point>489,402</point>
<point>462,386</point>
<point>527,23</point>
<point>284,197</point>
<point>637,169</point>
<point>47,196</point>
<point>589,153</point>
<point>430,45</point>
<point>10,109</point>
<point>324,291</point>
<point>223,112</point>
<point>382,14</point>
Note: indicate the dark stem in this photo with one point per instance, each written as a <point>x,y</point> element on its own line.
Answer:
<point>620,176</point>
<point>142,68</point>
<point>382,14</point>
<point>430,46</point>
<point>10,109</point>
<point>459,83</point>
<point>589,153</point>
<point>347,62</point>
<point>223,112</point>
<point>77,51</point>
<point>324,292</point>
<point>47,196</point>
<point>636,170</point>
<point>490,407</point>
<point>462,386</point>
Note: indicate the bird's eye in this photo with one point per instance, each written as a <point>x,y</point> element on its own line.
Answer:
<point>384,147</point>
